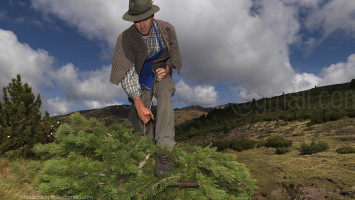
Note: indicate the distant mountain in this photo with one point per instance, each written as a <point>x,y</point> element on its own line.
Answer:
<point>119,114</point>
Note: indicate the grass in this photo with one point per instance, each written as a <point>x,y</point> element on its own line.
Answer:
<point>273,172</point>
<point>11,187</point>
<point>323,175</point>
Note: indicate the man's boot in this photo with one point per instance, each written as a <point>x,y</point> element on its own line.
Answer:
<point>162,165</point>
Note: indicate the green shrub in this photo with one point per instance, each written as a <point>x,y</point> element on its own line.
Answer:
<point>351,112</point>
<point>282,150</point>
<point>313,147</point>
<point>221,144</point>
<point>345,150</point>
<point>242,144</point>
<point>278,141</point>
<point>260,143</point>
<point>236,144</point>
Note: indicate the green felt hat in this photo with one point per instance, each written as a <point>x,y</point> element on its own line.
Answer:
<point>139,10</point>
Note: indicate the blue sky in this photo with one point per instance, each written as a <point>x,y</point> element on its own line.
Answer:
<point>231,50</point>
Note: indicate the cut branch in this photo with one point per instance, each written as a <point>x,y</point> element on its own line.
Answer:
<point>141,164</point>
<point>187,184</point>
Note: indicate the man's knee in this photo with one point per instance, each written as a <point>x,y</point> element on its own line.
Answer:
<point>164,94</point>
<point>165,88</point>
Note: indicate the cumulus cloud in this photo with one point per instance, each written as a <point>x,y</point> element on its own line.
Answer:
<point>339,73</point>
<point>20,58</point>
<point>86,85</point>
<point>244,43</point>
<point>90,89</point>
<point>243,95</point>
<point>59,106</point>
<point>195,95</point>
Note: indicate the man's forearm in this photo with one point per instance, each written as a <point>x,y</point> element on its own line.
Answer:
<point>143,112</point>
<point>138,103</point>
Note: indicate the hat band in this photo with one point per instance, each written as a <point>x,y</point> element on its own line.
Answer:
<point>139,13</point>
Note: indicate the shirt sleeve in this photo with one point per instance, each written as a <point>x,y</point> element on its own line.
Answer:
<point>130,83</point>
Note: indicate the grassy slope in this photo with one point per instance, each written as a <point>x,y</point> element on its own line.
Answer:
<point>325,175</point>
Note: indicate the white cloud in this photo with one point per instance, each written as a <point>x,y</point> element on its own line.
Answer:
<point>99,104</point>
<point>339,73</point>
<point>243,95</point>
<point>333,16</point>
<point>243,43</point>
<point>306,81</point>
<point>59,106</point>
<point>20,58</point>
<point>198,95</point>
<point>91,89</point>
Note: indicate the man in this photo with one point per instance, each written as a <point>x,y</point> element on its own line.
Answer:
<point>144,57</point>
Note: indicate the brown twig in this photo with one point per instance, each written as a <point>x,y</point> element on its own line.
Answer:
<point>187,184</point>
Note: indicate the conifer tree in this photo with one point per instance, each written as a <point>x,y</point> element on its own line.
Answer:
<point>352,83</point>
<point>19,119</point>
<point>89,159</point>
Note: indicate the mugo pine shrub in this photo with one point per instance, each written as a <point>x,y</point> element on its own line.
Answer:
<point>282,150</point>
<point>345,150</point>
<point>89,159</point>
<point>277,141</point>
<point>313,147</point>
<point>239,144</point>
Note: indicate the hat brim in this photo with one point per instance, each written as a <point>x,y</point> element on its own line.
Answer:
<point>145,15</point>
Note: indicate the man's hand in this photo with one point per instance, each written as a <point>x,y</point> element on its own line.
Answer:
<point>143,112</point>
<point>163,72</point>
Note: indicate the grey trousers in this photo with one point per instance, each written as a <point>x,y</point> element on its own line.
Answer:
<point>164,132</point>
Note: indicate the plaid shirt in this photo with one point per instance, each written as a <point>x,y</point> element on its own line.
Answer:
<point>130,82</point>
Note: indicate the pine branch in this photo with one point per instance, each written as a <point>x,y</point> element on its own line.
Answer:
<point>160,182</point>
<point>180,184</point>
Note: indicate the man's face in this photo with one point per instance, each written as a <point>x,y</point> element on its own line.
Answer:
<point>144,26</point>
